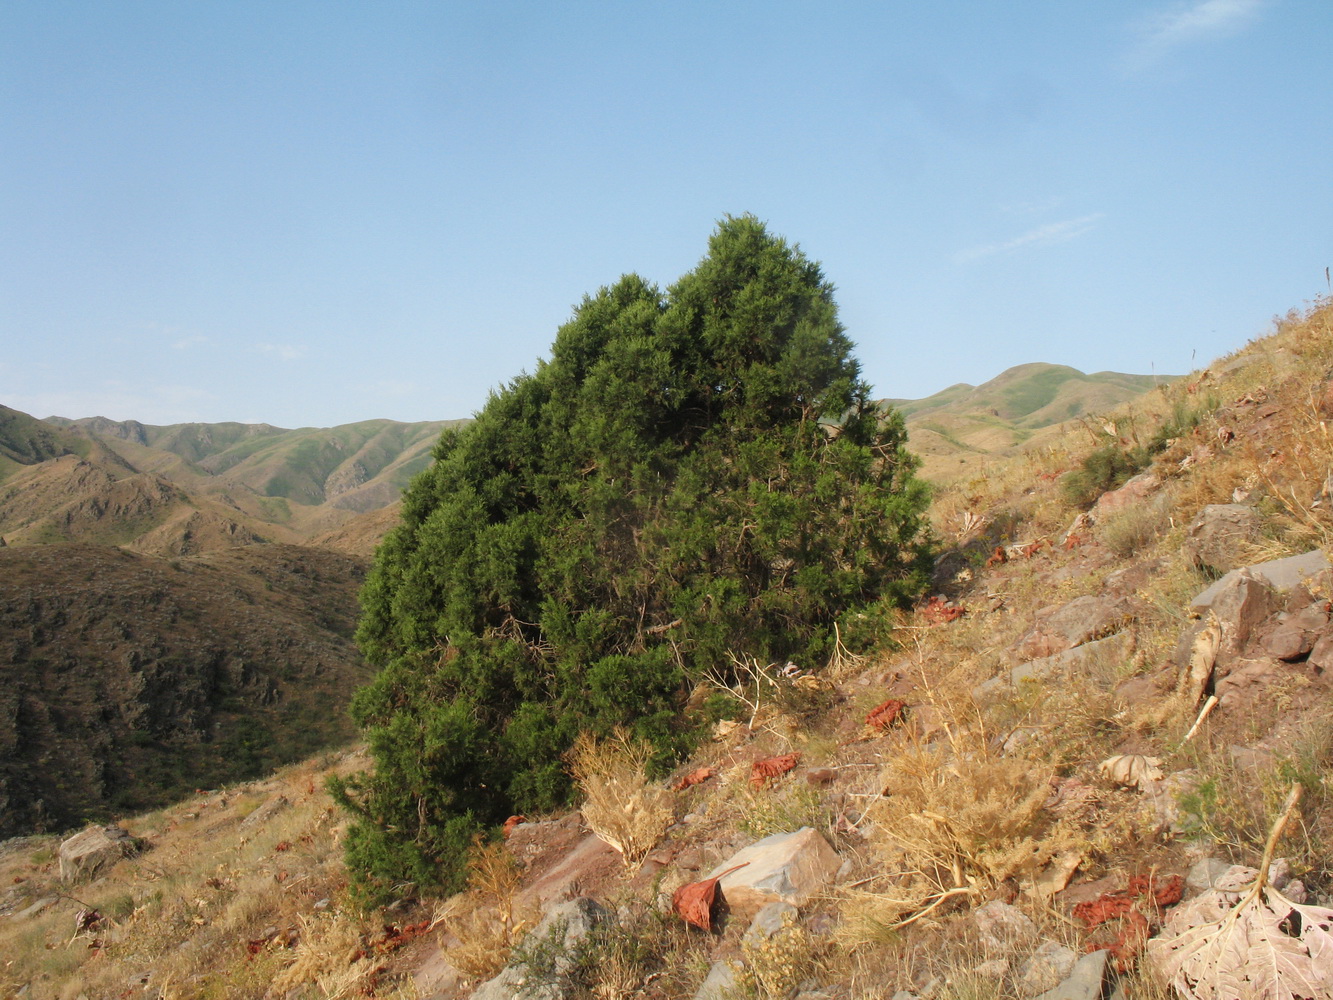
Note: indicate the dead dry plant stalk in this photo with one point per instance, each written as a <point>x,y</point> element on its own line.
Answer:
<point>751,683</point>
<point>485,920</point>
<point>620,805</point>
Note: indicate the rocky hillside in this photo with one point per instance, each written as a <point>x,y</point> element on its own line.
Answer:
<point>1062,778</point>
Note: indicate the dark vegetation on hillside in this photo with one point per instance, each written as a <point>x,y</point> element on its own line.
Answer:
<point>694,478</point>
<point>128,681</point>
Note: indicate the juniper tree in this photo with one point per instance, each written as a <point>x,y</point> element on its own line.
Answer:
<point>693,475</point>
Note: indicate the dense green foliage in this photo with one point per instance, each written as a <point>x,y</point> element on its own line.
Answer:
<point>691,475</point>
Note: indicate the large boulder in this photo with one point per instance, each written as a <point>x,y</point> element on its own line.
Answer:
<point>786,867</point>
<point>1217,532</point>
<point>85,854</point>
<point>1242,601</point>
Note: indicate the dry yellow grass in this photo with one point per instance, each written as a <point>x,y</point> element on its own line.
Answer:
<point>620,804</point>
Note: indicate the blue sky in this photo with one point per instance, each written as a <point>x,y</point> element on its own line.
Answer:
<point>315,213</point>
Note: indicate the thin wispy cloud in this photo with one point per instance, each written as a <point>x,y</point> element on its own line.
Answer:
<point>185,343</point>
<point>1047,235</point>
<point>286,352</point>
<point>1187,24</point>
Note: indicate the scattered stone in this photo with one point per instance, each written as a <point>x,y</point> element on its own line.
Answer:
<point>322,904</point>
<point>1133,577</point>
<point>85,854</point>
<point>1000,923</point>
<point>1254,760</point>
<point>1297,632</point>
<point>988,690</point>
<point>789,867</point>
<point>1165,797</point>
<point>1086,982</point>
<point>571,923</point>
<point>719,984</point>
<point>1217,532</point>
<point>1280,574</point>
<point>820,775</point>
<point>992,968</point>
<point>1321,656</point>
<point>1245,679</point>
<point>769,920</point>
<point>1047,968</point>
<point>265,812</point>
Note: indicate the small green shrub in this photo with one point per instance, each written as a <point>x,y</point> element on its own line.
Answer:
<point>1107,468</point>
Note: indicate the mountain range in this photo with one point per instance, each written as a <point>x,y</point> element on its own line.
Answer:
<point>177,603</point>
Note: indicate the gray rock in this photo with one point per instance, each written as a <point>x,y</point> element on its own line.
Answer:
<point>991,689</point>
<point>1047,968</point>
<point>571,923</point>
<point>1280,574</point>
<point>1077,661</point>
<point>719,984</point>
<point>786,867</point>
<point>1217,532</point>
<point>1086,982</point>
<point>1065,626</point>
<point>85,854</point>
<point>43,904</point>
<point>769,920</point>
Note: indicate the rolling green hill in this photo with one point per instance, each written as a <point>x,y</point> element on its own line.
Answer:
<point>958,427</point>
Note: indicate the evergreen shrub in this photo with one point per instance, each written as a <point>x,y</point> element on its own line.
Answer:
<point>692,474</point>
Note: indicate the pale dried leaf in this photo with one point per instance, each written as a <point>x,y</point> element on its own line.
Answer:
<point>1264,946</point>
<point>1131,770</point>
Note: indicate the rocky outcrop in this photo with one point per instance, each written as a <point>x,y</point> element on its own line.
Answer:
<point>1280,574</point>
